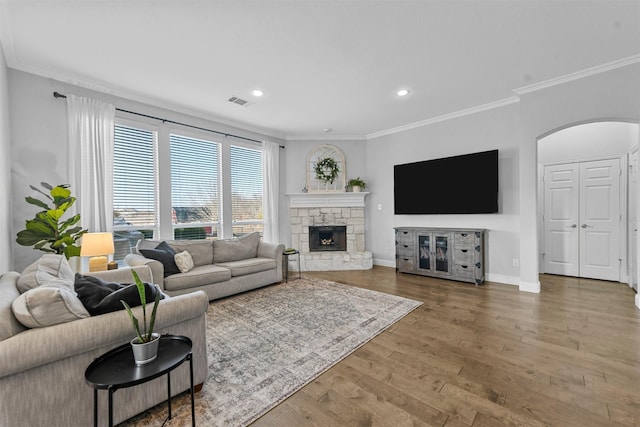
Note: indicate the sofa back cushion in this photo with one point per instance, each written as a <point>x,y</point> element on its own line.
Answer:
<point>236,249</point>
<point>50,270</point>
<point>201,251</point>
<point>9,325</point>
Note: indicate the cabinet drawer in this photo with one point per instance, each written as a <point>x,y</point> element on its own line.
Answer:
<point>464,271</point>
<point>464,238</point>
<point>463,256</point>
<point>405,237</point>
<point>404,250</point>
<point>406,264</point>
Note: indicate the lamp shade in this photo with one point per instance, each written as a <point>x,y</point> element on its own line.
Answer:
<point>97,244</point>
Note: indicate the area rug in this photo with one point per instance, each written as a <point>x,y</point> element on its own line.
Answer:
<point>266,344</point>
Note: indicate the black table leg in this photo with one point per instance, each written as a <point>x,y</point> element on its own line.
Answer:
<point>169,392</point>
<point>95,407</point>
<point>193,406</point>
<point>110,407</point>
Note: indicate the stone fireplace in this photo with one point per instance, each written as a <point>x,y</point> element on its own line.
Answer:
<point>310,212</point>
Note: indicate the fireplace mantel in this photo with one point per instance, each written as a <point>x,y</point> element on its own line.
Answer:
<point>330,200</point>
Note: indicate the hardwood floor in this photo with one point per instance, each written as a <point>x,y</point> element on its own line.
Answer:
<point>483,356</point>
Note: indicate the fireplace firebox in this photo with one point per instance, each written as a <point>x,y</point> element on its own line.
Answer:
<point>327,238</point>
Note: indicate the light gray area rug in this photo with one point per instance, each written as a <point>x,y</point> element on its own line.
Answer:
<point>266,344</point>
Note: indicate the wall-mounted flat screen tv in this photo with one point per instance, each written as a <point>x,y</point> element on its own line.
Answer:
<point>466,184</point>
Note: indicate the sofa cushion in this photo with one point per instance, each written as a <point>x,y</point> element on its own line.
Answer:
<point>9,325</point>
<point>100,297</point>
<point>165,254</point>
<point>50,270</point>
<point>236,249</point>
<point>47,306</point>
<point>198,276</point>
<point>184,261</point>
<point>248,266</point>
<point>201,250</point>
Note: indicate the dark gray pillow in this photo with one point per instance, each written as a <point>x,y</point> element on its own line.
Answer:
<point>100,297</point>
<point>165,254</point>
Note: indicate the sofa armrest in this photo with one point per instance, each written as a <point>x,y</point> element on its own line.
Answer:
<point>270,250</point>
<point>123,275</point>
<point>39,346</point>
<point>157,269</point>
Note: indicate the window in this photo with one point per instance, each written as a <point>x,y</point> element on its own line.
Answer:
<point>134,187</point>
<point>195,187</point>
<point>246,190</point>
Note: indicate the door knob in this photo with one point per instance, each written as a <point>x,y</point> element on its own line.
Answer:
<point>586,226</point>
<point>572,226</point>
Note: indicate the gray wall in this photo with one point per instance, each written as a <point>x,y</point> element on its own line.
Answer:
<point>6,236</point>
<point>39,147</point>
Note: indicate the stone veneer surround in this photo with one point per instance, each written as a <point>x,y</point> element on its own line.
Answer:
<point>314,209</point>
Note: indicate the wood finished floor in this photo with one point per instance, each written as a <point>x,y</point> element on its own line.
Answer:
<point>483,356</point>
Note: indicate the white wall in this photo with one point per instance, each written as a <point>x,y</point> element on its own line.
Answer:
<point>492,129</point>
<point>40,148</point>
<point>6,236</point>
<point>610,95</point>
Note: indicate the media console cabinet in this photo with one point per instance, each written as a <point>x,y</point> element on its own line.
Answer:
<point>448,253</point>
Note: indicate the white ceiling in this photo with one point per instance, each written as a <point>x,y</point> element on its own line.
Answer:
<point>322,64</point>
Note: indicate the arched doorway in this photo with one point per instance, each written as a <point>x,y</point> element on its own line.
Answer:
<point>586,225</point>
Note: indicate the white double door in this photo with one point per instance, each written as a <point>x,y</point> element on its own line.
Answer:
<point>582,219</point>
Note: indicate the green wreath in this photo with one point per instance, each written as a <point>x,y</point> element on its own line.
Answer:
<point>327,170</point>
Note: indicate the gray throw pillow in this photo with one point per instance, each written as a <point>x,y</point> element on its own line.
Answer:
<point>50,270</point>
<point>47,306</point>
<point>244,247</point>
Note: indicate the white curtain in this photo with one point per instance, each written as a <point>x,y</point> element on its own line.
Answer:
<point>91,128</point>
<point>271,191</point>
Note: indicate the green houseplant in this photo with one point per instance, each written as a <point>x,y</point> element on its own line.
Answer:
<point>145,344</point>
<point>357,184</point>
<point>48,232</point>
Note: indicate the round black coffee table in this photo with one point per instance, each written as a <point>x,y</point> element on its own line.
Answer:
<point>116,369</point>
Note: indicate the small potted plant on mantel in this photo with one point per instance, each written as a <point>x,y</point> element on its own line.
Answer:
<point>357,184</point>
<point>145,344</point>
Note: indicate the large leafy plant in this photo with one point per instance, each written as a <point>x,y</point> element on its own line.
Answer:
<point>48,232</point>
<point>146,333</point>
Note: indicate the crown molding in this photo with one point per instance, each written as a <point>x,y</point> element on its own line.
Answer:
<point>445,117</point>
<point>325,137</point>
<point>602,68</point>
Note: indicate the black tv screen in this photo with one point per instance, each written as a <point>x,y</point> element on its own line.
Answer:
<point>466,184</point>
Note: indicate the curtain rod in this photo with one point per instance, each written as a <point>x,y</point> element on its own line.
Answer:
<point>60,95</point>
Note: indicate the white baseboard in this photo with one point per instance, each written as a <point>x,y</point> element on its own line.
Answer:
<point>638,300</point>
<point>501,278</point>
<point>533,287</point>
<point>384,263</point>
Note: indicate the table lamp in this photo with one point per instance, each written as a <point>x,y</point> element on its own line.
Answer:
<point>97,246</point>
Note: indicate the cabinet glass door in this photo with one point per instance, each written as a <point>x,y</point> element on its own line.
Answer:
<point>442,253</point>
<point>424,252</point>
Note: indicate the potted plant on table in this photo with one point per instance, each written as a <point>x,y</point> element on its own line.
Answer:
<point>145,344</point>
<point>357,184</point>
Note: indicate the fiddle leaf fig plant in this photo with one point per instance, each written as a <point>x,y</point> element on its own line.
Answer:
<point>146,334</point>
<point>48,232</point>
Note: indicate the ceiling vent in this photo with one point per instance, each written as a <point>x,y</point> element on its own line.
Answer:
<point>238,101</point>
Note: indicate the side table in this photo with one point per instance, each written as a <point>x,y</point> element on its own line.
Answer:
<point>286,264</point>
<point>116,369</point>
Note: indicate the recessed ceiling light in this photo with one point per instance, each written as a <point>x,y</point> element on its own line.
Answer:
<point>257,93</point>
<point>327,130</point>
<point>402,92</point>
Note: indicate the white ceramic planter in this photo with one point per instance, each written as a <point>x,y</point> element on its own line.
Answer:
<point>147,352</point>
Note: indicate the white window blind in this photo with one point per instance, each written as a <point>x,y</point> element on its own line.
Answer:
<point>134,178</point>
<point>246,190</point>
<point>195,185</point>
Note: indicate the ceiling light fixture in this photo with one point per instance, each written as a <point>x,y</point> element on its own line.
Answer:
<point>402,92</point>
<point>257,93</point>
<point>327,130</point>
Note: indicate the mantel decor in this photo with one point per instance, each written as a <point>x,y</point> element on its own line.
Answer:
<point>326,171</point>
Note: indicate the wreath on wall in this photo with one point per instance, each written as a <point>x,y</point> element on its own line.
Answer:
<point>327,170</point>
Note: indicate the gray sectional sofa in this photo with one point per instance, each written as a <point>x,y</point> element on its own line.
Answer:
<point>42,366</point>
<point>220,267</point>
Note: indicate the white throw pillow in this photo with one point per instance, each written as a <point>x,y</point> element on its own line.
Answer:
<point>184,261</point>
<point>50,270</point>
<point>47,306</point>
